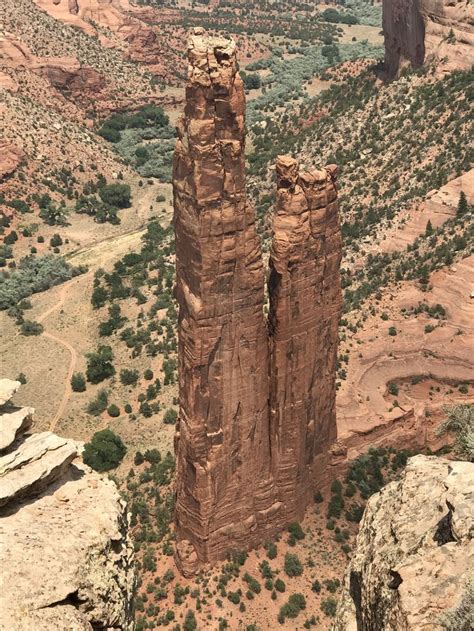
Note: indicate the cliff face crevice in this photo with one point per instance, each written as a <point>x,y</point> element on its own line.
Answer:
<point>236,485</point>
<point>410,567</point>
<point>421,31</point>
<point>65,550</point>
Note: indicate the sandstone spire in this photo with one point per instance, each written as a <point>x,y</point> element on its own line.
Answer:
<point>253,424</point>
<point>224,488</point>
<point>305,307</point>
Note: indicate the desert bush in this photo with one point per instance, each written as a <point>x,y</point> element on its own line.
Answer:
<point>105,451</point>
<point>99,364</point>
<point>99,404</point>
<point>170,417</point>
<point>30,327</point>
<point>293,566</point>
<point>78,382</point>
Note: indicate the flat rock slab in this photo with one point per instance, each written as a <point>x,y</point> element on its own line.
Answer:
<point>40,460</point>
<point>8,387</point>
<point>13,424</point>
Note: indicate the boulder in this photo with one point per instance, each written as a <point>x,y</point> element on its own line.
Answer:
<point>38,461</point>
<point>14,424</point>
<point>7,387</point>
<point>414,553</point>
<point>66,557</point>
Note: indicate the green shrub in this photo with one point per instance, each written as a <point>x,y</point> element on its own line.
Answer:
<point>34,274</point>
<point>316,586</point>
<point>170,417</point>
<point>296,531</point>
<point>318,498</point>
<point>271,550</point>
<point>393,388</point>
<point>280,585</point>
<point>99,364</point>
<point>78,382</point>
<point>21,378</point>
<point>190,623</point>
<point>98,405</point>
<point>55,241</point>
<point>29,327</point>
<point>129,377</point>
<point>105,451</point>
<point>329,606</point>
<point>293,566</point>
<point>113,410</point>
<point>291,609</point>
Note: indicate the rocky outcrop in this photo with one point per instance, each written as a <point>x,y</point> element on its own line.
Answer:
<point>65,553</point>
<point>414,552</point>
<point>305,307</point>
<point>237,483</point>
<point>418,31</point>
<point>65,74</point>
<point>11,157</point>
<point>74,80</point>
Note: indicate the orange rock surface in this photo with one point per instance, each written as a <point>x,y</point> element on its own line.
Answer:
<point>236,479</point>
<point>305,308</point>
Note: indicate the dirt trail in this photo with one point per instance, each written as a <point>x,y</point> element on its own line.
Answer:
<point>71,350</point>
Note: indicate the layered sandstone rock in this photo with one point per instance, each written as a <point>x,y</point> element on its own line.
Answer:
<point>65,552</point>
<point>225,494</point>
<point>418,31</point>
<point>249,437</point>
<point>305,308</point>
<point>414,552</point>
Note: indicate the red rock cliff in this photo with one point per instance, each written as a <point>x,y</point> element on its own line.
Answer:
<point>419,31</point>
<point>244,467</point>
<point>224,489</point>
<point>305,308</point>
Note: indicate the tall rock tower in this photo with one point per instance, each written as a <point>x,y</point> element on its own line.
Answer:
<point>257,400</point>
<point>305,307</point>
<point>224,489</point>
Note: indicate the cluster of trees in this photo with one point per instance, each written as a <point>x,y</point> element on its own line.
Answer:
<point>104,208</point>
<point>146,116</point>
<point>32,275</point>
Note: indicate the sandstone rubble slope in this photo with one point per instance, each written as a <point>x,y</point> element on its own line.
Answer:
<point>414,553</point>
<point>65,554</point>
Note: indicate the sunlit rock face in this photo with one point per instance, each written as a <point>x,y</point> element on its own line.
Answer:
<point>237,484</point>
<point>420,31</point>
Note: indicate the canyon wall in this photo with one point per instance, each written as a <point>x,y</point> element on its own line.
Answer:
<point>65,551</point>
<point>413,559</point>
<point>252,420</point>
<point>419,31</point>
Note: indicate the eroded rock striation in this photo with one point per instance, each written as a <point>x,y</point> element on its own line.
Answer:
<point>65,552</point>
<point>414,553</point>
<point>305,307</point>
<point>236,481</point>
<point>419,31</point>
